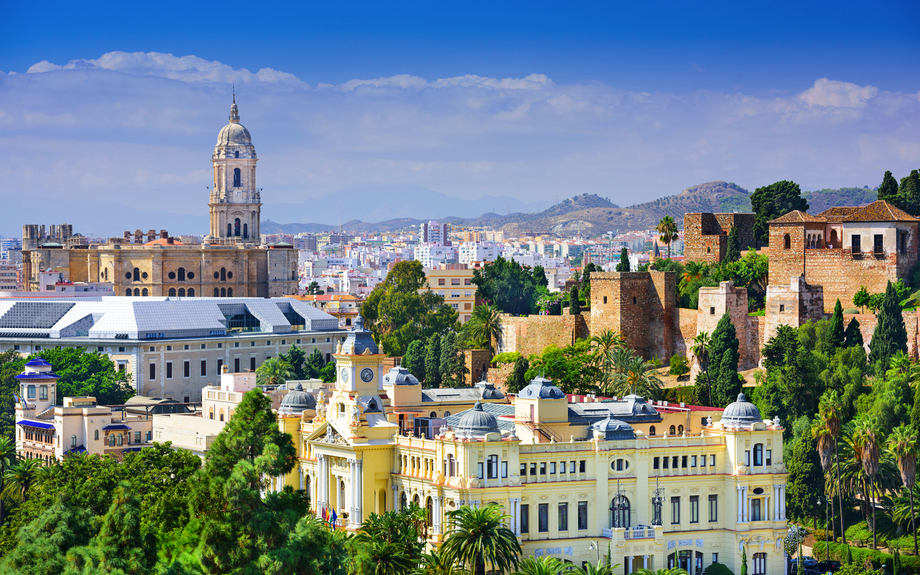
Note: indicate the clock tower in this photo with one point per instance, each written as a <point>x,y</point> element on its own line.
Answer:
<point>356,399</point>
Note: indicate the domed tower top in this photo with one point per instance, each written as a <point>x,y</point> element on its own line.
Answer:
<point>235,200</point>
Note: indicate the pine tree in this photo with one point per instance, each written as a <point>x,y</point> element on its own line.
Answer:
<point>834,338</point>
<point>518,378</point>
<point>433,362</point>
<point>806,478</point>
<point>853,336</point>
<point>909,195</point>
<point>890,335</point>
<point>43,543</point>
<point>733,250</point>
<point>295,357</point>
<point>888,191</point>
<point>414,360</point>
<point>574,303</point>
<point>451,362</point>
<point>623,266</point>
<point>723,368</point>
<point>314,364</point>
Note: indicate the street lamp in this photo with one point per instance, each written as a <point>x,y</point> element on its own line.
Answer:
<point>657,501</point>
<point>597,552</point>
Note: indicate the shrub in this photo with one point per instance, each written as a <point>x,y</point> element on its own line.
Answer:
<point>852,310</point>
<point>679,365</point>
<point>507,357</point>
<point>909,564</point>
<point>717,569</point>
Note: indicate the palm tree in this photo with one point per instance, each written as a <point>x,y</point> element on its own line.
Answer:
<point>274,371</point>
<point>694,271</point>
<point>434,564</point>
<point>479,536</point>
<point>866,436</point>
<point>825,452</point>
<point>700,350</point>
<point>545,565</point>
<point>668,230</point>
<point>19,479</point>
<point>632,374</point>
<point>7,460</point>
<point>600,569</point>
<point>485,325</point>
<point>829,407</point>
<point>606,342</point>
<point>902,444</point>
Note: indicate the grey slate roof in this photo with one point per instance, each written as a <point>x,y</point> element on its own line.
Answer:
<point>481,390</point>
<point>496,409</point>
<point>130,318</point>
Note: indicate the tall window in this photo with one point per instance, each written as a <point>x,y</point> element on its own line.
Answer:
<point>675,511</point>
<point>856,243</point>
<point>755,510</point>
<point>713,508</point>
<point>137,275</point>
<point>180,273</point>
<point>245,230</point>
<point>694,509</point>
<point>582,515</point>
<point>236,178</point>
<point>492,467</point>
<point>563,517</point>
<point>758,454</point>
<point>30,392</point>
<point>153,371</point>
<point>236,227</point>
<point>525,518</point>
<point>543,518</point>
<point>168,370</point>
<point>186,368</point>
<point>43,392</point>
<point>619,512</point>
<point>760,563</point>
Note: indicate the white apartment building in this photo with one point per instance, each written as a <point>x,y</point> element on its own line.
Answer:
<point>478,252</point>
<point>433,255</point>
<point>435,233</point>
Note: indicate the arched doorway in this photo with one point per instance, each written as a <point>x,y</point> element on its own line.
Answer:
<point>620,512</point>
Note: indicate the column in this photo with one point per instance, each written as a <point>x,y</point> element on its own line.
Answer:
<point>775,503</point>
<point>352,484</point>
<point>395,497</point>
<point>740,506</point>
<point>320,483</point>
<point>629,562</point>
<point>359,499</point>
<point>782,502</point>
<point>514,516</point>
<point>645,561</point>
<point>300,472</point>
<point>747,506</point>
<point>436,515</point>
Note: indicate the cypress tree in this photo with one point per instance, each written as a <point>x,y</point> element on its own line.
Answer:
<point>806,478</point>
<point>574,303</point>
<point>909,195</point>
<point>853,337</point>
<point>451,361</point>
<point>433,362</point>
<point>733,250</point>
<point>890,335</point>
<point>414,360</point>
<point>888,191</point>
<point>834,338</point>
<point>744,567</point>
<point>518,378</point>
<point>314,364</point>
<point>723,368</point>
<point>623,266</point>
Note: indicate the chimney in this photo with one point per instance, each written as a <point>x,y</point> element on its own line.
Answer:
<point>164,234</point>
<point>151,235</point>
<point>170,241</point>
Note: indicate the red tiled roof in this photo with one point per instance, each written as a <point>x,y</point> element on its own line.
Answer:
<point>837,213</point>
<point>879,211</point>
<point>796,216</point>
<point>164,242</point>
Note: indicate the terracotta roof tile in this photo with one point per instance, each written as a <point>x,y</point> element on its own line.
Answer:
<point>879,211</point>
<point>837,213</point>
<point>797,216</point>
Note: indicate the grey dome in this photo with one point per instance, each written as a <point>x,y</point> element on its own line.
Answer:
<point>476,423</point>
<point>359,340</point>
<point>634,408</point>
<point>296,401</point>
<point>399,375</point>
<point>614,429</point>
<point>741,412</point>
<point>488,391</point>
<point>234,135</point>
<point>541,388</point>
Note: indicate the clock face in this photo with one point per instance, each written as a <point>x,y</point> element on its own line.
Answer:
<point>344,374</point>
<point>367,374</point>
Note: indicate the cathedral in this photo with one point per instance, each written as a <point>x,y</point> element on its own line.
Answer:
<point>231,262</point>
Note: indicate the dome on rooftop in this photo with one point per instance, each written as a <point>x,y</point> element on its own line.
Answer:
<point>476,423</point>
<point>741,412</point>
<point>296,401</point>
<point>399,375</point>
<point>541,388</point>
<point>613,429</point>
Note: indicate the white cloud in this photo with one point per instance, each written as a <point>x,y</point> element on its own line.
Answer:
<point>138,128</point>
<point>835,94</point>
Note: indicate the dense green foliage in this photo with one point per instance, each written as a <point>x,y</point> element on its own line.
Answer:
<point>623,265</point>
<point>401,310</point>
<point>771,202</point>
<point>890,335</point>
<point>509,286</point>
<point>733,249</point>
<point>721,376</point>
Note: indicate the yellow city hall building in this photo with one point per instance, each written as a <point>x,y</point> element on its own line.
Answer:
<point>658,485</point>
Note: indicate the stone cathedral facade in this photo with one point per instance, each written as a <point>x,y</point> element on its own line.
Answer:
<point>231,262</point>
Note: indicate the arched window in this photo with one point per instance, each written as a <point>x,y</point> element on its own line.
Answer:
<point>833,240</point>
<point>787,242</point>
<point>680,430</point>
<point>181,292</point>
<point>758,454</point>
<point>446,414</point>
<point>211,413</point>
<point>223,274</point>
<point>236,227</point>
<point>671,430</point>
<point>223,292</point>
<point>30,392</point>
<point>429,507</point>
<point>433,414</point>
<point>96,435</point>
<point>191,292</point>
<point>236,178</point>
<point>229,230</point>
<point>221,415</point>
<point>144,292</point>
<point>216,292</point>
<point>245,230</point>
<point>619,512</point>
<point>137,275</point>
<point>119,439</point>
<point>172,292</point>
<point>229,292</point>
<point>416,500</point>
<point>651,430</point>
<point>112,441</point>
<point>402,501</point>
<point>137,292</point>
<point>128,291</point>
<point>43,392</point>
<point>181,273</point>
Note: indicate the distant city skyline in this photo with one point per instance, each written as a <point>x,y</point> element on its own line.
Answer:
<point>629,103</point>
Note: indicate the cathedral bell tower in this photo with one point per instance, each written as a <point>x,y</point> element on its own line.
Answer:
<point>235,201</point>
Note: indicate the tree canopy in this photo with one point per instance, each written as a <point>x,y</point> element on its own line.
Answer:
<point>509,286</point>
<point>773,201</point>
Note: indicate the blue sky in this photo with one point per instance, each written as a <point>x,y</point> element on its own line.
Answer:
<point>534,101</point>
